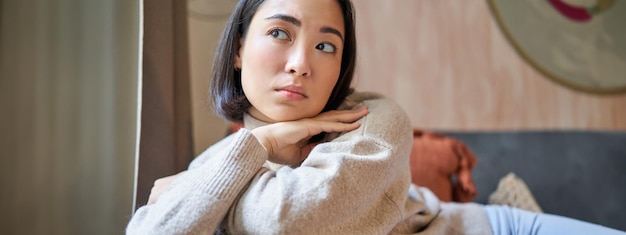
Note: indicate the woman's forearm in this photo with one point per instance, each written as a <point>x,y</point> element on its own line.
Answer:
<point>199,199</point>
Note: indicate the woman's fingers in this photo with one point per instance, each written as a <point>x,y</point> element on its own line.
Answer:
<point>278,138</point>
<point>317,127</point>
<point>338,120</point>
<point>343,115</point>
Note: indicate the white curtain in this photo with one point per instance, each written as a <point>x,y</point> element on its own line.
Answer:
<point>69,75</point>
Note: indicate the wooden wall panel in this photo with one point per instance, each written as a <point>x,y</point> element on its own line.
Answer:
<point>450,67</point>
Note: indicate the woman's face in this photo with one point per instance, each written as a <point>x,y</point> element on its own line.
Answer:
<point>290,58</point>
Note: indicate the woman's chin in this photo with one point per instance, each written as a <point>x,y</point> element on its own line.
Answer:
<point>286,118</point>
<point>281,115</point>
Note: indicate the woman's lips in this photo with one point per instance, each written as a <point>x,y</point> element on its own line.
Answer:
<point>292,92</point>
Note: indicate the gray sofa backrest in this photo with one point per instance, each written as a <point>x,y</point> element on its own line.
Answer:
<point>578,174</point>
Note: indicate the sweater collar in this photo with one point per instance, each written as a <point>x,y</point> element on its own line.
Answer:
<point>251,122</point>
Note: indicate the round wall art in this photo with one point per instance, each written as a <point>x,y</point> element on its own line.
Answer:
<point>578,43</point>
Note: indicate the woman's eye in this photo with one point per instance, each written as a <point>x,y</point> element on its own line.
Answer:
<point>279,34</point>
<point>326,47</point>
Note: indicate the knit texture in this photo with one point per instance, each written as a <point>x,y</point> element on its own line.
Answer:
<point>514,192</point>
<point>356,182</point>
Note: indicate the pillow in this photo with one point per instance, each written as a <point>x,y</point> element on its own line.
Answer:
<point>514,192</point>
<point>444,165</point>
<point>233,127</point>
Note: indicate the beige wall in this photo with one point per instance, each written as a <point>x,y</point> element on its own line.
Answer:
<point>207,19</point>
<point>448,64</point>
<point>445,62</point>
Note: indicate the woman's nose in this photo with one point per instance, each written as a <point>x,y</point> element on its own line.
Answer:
<point>298,63</point>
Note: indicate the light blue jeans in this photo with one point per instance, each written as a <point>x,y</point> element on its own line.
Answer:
<point>505,220</point>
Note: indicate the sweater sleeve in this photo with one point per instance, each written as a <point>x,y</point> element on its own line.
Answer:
<point>357,182</point>
<point>198,200</point>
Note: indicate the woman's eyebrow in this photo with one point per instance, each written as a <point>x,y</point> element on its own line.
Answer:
<point>298,23</point>
<point>332,30</point>
<point>287,18</point>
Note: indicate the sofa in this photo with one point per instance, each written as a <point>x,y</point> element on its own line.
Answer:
<point>578,174</point>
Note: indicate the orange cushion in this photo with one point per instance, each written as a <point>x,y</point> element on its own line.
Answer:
<point>442,164</point>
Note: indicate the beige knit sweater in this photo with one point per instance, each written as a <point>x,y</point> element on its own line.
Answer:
<point>353,183</point>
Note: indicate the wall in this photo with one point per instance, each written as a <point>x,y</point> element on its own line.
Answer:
<point>207,19</point>
<point>450,67</point>
<point>445,62</point>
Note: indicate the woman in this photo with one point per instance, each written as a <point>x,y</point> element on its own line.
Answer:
<point>313,158</point>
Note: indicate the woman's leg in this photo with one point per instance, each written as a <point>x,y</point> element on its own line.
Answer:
<point>505,220</point>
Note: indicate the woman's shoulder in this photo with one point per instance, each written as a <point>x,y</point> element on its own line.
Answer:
<point>378,105</point>
<point>358,97</point>
<point>386,119</point>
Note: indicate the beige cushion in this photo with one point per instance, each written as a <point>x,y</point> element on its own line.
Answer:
<point>514,192</point>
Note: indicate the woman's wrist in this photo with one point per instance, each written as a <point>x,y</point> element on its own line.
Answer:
<point>258,133</point>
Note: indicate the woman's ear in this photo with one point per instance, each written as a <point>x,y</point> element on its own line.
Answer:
<point>238,55</point>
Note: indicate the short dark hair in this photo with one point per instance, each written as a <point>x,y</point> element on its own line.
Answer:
<point>226,92</point>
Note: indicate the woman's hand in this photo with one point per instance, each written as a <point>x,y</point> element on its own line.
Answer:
<point>160,186</point>
<point>285,141</point>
